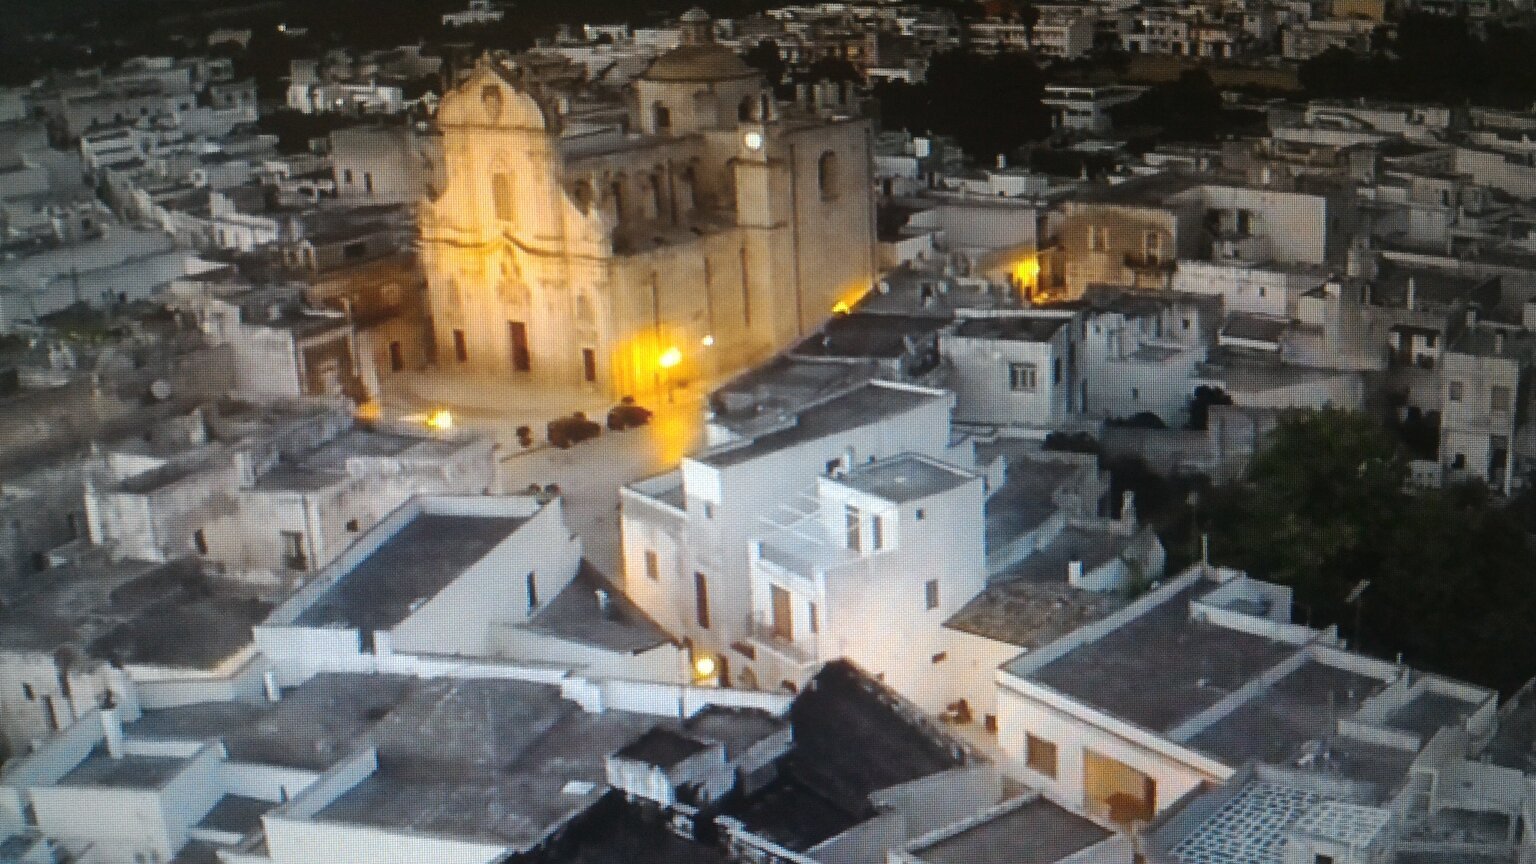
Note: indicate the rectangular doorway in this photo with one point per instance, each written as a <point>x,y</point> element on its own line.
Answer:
<point>460,347</point>
<point>396,357</point>
<point>783,617</point>
<point>517,332</point>
<point>701,599</point>
<point>588,365</point>
<point>1115,790</point>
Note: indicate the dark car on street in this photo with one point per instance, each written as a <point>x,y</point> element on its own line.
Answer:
<point>565,431</point>
<point>627,415</point>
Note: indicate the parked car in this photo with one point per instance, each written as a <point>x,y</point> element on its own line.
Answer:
<point>565,431</point>
<point>627,415</point>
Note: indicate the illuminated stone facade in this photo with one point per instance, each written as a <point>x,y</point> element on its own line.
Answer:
<point>583,244</point>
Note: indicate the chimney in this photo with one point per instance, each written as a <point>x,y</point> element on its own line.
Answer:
<point>1002,161</point>
<point>1413,294</point>
<point>112,733</point>
<point>1074,573</point>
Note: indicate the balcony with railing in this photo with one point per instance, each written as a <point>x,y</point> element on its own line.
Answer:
<point>781,642</point>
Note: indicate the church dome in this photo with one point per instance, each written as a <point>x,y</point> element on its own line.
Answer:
<point>699,58</point>
<point>707,62</point>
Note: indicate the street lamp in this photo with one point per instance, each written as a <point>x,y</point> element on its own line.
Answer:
<point>666,362</point>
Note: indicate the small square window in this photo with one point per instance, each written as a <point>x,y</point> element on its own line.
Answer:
<point>1453,391</point>
<point>919,514</point>
<point>1021,377</point>
<point>931,593</point>
<point>28,692</point>
<point>652,566</point>
<point>352,525</point>
<point>1040,755</point>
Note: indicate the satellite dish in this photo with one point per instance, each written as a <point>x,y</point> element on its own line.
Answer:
<point>161,390</point>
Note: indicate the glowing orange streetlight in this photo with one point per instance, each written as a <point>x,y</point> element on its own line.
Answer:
<point>441,420</point>
<point>669,358</point>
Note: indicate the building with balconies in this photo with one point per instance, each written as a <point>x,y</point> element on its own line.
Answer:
<point>687,555</point>
<point>898,539</point>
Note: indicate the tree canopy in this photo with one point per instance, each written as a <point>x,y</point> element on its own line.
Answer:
<point>1432,59</point>
<point>1325,505</point>
<point>990,103</point>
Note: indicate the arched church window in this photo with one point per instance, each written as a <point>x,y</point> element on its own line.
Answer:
<point>502,200</point>
<point>826,175</point>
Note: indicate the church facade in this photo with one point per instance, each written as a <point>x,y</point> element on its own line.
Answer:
<point>689,229</point>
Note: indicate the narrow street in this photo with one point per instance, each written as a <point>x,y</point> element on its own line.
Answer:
<point>589,474</point>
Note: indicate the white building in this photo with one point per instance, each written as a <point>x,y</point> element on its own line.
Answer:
<point>488,577</point>
<point>479,12</point>
<point>1086,109</point>
<point>278,490</point>
<point>687,555</point>
<point>896,539</point>
<point>1014,368</point>
<point>1201,676</point>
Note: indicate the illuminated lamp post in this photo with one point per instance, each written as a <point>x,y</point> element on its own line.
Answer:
<point>668,361</point>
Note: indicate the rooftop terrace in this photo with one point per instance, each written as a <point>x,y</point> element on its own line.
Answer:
<point>125,772</point>
<point>421,559</point>
<point>1303,706</point>
<point>865,405</point>
<point>1162,667</point>
<point>1035,832</point>
<point>907,477</point>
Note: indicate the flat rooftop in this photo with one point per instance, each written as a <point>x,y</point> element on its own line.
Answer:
<point>1012,328</point>
<point>864,335</point>
<point>326,464</point>
<point>1024,501</point>
<point>1036,832</point>
<point>126,772</point>
<point>1428,713</point>
<point>236,814</point>
<point>421,559</point>
<point>1162,667</point>
<point>495,760</point>
<point>736,728</point>
<point>661,747</point>
<point>314,725</point>
<point>1250,827</point>
<point>907,477</point>
<point>1301,707</point>
<point>864,405</point>
<point>1030,603</point>
<point>575,614</point>
<point>133,612</point>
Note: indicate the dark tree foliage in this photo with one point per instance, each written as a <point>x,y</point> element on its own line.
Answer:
<point>765,58</point>
<point>1187,109</point>
<point>1200,405</point>
<point>989,103</point>
<point>1325,506</point>
<point>1139,420</point>
<point>1071,442</point>
<point>1433,58</point>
